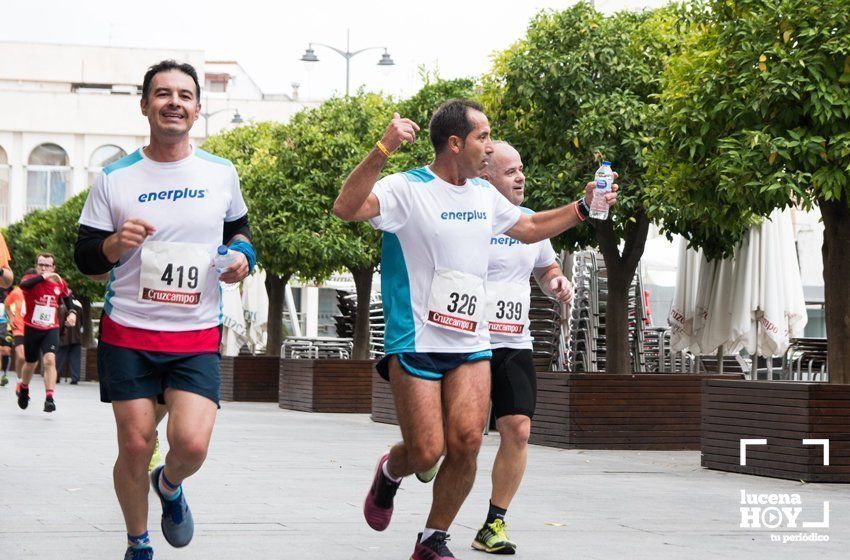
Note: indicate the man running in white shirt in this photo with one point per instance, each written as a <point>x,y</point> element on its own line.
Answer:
<point>152,223</point>
<point>437,223</point>
<point>513,378</point>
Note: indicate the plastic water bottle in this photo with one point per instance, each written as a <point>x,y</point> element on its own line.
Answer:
<point>224,258</point>
<point>604,180</point>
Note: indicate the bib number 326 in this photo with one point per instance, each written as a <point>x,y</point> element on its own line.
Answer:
<point>173,273</point>
<point>456,301</point>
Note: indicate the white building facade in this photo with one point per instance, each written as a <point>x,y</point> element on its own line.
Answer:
<point>66,111</point>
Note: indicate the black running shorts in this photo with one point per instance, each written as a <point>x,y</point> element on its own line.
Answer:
<point>38,342</point>
<point>514,382</point>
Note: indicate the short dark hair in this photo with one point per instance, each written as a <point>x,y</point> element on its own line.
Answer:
<point>50,256</point>
<point>167,66</point>
<point>451,119</point>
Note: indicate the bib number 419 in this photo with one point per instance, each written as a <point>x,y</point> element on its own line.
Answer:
<point>191,277</point>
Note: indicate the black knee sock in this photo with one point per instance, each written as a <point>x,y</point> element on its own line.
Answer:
<point>6,362</point>
<point>495,513</point>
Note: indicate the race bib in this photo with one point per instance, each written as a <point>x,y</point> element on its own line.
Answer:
<point>44,315</point>
<point>507,307</point>
<point>173,273</point>
<point>456,301</point>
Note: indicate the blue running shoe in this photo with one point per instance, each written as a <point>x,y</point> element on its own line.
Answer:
<point>139,553</point>
<point>177,524</point>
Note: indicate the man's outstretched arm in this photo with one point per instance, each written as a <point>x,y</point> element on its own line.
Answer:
<point>549,223</point>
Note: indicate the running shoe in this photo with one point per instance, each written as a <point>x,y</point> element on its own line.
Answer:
<point>156,458</point>
<point>427,476</point>
<point>4,380</point>
<point>433,548</point>
<point>49,405</point>
<point>493,538</point>
<point>177,524</point>
<point>378,507</point>
<point>23,397</point>
<point>139,553</point>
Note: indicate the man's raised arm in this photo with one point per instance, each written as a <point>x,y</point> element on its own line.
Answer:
<point>355,202</point>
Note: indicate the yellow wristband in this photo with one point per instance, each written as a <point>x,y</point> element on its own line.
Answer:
<point>383,148</point>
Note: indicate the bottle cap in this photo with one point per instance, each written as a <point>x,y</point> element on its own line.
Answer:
<point>608,163</point>
<point>222,249</point>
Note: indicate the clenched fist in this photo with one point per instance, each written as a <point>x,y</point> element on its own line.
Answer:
<point>130,235</point>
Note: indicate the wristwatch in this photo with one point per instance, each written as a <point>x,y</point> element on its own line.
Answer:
<point>583,208</point>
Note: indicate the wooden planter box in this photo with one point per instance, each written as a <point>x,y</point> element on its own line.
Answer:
<point>326,385</point>
<point>250,378</point>
<point>88,364</point>
<point>383,406</point>
<point>783,413</point>
<point>610,411</point>
<point>602,411</point>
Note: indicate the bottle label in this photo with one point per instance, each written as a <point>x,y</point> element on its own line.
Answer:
<point>601,184</point>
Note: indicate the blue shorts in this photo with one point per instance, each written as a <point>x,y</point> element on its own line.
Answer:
<point>430,365</point>
<point>127,374</point>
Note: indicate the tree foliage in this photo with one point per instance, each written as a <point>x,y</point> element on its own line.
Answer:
<point>287,218</point>
<point>580,87</point>
<point>756,111</point>
<point>52,231</point>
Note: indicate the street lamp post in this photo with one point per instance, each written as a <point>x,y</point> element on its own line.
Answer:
<point>237,118</point>
<point>310,57</point>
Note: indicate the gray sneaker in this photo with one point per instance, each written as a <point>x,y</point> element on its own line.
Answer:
<point>177,524</point>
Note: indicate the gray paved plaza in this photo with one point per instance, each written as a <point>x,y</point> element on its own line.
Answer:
<point>286,485</point>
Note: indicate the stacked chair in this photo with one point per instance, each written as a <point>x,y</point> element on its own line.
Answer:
<point>545,326</point>
<point>347,303</point>
<point>587,323</point>
<point>805,360</point>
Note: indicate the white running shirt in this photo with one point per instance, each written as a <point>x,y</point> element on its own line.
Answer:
<point>434,260</point>
<point>187,201</point>
<point>508,287</point>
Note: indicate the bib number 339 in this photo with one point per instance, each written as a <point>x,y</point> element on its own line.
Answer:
<point>457,301</point>
<point>173,273</point>
<point>507,307</point>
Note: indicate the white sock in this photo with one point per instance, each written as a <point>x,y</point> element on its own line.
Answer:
<point>428,532</point>
<point>387,472</point>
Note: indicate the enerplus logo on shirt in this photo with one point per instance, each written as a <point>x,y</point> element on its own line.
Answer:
<point>505,240</point>
<point>173,195</point>
<point>464,216</point>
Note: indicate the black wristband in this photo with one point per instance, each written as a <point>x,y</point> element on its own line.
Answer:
<point>583,208</point>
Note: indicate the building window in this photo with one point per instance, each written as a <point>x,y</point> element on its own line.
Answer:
<point>48,177</point>
<point>103,156</point>
<point>216,82</point>
<point>4,188</point>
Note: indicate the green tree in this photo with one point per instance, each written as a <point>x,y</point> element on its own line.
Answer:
<point>579,88</point>
<point>288,221</point>
<point>323,146</point>
<point>55,231</point>
<point>757,114</point>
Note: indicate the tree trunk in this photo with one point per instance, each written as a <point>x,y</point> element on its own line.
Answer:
<point>617,342</point>
<point>86,323</point>
<point>621,270</point>
<point>836,271</point>
<point>275,286</point>
<point>363,283</point>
